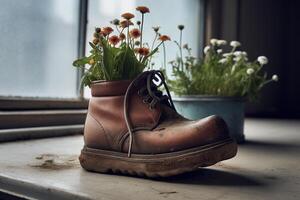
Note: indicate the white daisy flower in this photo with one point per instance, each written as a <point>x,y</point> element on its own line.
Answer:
<point>227,54</point>
<point>244,53</point>
<point>237,53</point>
<point>214,41</point>
<point>237,59</point>
<point>206,49</point>
<point>250,71</point>
<point>275,77</point>
<point>223,60</point>
<point>219,51</point>
<point>263,60</point>
<point>221,42</point>
<point>235,44</point>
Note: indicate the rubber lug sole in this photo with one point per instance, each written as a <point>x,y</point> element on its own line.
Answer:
<point>157,165</point>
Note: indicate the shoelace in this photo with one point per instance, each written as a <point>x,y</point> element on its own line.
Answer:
<point>155,96</point>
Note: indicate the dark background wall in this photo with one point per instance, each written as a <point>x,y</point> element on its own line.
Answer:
<point>270,28</point>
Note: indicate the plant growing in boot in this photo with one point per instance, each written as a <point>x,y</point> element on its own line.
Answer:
<point>119,54</point>
<point>131,126</point>
<point>220,74</point>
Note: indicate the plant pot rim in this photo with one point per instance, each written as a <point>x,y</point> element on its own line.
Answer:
<point>208,98</point>
<point>111,81</point>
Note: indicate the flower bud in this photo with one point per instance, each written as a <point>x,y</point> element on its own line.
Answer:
<point>180,27</point>
<point>221,42</point>
<point>95,41</point>
<point>185,46</point>
<point>213,41</point>
<point>97,30</point>
<point>235,44</point>
<point>206,49</point>
<point>91,62</point>
<point>115,22</point>
<point>263,60</point>
<point>275,77</point>
<point>250,71</point>
<point>137,43</point>
<point>156,28</point>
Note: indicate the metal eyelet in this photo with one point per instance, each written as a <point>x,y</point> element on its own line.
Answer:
<point>145,101</point>
<point>139,93</point>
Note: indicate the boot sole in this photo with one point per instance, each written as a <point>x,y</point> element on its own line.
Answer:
<point>157,165</point>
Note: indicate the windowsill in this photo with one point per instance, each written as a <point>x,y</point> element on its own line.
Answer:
<point>267,167</point>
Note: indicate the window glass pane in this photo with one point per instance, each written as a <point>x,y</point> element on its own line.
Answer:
<point>167,14</point>
<point>38,44</point>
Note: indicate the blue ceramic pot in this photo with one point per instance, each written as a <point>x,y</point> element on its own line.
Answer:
<point>231,109</point>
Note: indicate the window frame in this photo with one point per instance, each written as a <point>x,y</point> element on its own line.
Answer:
<point>36,117</point>
<point>37,107</point>
<point>15,102</point>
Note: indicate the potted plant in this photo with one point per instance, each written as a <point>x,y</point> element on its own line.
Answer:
<point>219,83</point>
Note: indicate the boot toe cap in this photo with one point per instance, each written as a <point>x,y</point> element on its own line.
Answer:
<point>212,128</point>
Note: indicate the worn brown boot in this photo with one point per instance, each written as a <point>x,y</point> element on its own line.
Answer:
<point>133,129</point>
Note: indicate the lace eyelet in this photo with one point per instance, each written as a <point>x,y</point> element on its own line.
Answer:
<point>139,93</point>
<point>145,101</point>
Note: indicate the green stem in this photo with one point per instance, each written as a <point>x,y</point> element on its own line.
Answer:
<point>165,60</point>
<point>180,49</point>
<point>117,29</point>
<point>153,47</point>
<point>159,44</point>
<point>142,26</point>
<point>128,34</point>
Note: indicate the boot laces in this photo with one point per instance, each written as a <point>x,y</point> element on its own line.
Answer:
<point>150,93</point>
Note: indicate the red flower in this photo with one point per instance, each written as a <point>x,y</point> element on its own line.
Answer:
<point>146,51</point>
<point>114,40</point>
<point>106,31</point>
<point>142,51</point>
<point>135,33</point>
<point>143,9</point>
<point>125,23</point>
<point>128,15</point>
<point>164,38</point>
<point>122,36</point>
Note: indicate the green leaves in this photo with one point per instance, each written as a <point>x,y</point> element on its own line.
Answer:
<point>81,62</point>
<point>209,76</point>
<point>110,63</point>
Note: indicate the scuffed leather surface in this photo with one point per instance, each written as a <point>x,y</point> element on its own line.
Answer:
<point>160,130</point>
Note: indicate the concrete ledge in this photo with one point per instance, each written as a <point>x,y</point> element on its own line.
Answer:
<point>27,190</point>
<point>39,132</point>
<point>265,168</point>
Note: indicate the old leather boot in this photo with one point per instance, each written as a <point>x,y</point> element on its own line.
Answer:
<point>132,128</point>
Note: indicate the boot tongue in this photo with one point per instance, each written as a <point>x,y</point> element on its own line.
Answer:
<point>142,85</point>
